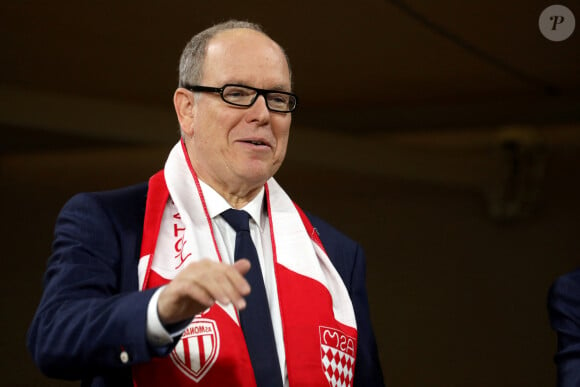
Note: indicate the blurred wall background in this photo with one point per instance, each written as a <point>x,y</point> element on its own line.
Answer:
<point>443,137</point>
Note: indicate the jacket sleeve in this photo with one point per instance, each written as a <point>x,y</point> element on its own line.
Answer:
<point>564,312</point>
<point>87,323</point>
<point>349,260</point>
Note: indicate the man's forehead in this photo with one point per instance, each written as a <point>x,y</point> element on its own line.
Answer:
<point>238,55</point>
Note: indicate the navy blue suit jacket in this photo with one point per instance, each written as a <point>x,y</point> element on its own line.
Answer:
<point>91,310</point>
<point>564,311</point>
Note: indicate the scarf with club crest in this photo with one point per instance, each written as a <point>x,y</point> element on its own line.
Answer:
<point>318,321</point>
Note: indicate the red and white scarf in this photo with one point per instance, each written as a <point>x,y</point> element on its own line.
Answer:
<point>318,320</point>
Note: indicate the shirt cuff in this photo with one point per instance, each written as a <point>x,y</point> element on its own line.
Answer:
<point>157,334</point>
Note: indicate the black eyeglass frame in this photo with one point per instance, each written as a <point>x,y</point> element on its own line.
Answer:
<point>259,92</point>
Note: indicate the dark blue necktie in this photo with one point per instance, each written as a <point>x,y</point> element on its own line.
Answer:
<point>255,318</point>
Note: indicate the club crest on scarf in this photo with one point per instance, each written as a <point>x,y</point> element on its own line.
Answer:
<point>338,355</point>
<point>198,349</point>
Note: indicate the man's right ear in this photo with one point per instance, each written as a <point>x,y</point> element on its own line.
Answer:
<point>183,101</point>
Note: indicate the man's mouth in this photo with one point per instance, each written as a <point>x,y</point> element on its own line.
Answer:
<point>256,142</point>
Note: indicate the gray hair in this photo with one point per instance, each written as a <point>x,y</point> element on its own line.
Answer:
<point>193,55</point>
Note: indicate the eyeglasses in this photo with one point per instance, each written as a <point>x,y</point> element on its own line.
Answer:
<point>240,95</point>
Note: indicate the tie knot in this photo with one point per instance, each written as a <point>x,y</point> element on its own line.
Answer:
<point>238,219</point>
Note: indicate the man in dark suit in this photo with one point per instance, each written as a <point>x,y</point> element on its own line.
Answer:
<point>209,274</point>
<point>564,311</point>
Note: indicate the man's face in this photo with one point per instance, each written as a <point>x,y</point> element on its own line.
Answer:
<point>236,149</point>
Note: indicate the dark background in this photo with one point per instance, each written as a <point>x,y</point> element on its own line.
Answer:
<point>443,136</point>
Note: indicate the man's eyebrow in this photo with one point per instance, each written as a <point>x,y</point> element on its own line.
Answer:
<point>279,87</point>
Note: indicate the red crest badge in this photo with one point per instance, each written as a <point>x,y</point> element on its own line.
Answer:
<point>338,355</point>
<point>198,349</point>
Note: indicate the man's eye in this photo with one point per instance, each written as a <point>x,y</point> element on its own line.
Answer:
<point>279,99</point>
<point>236,93</point>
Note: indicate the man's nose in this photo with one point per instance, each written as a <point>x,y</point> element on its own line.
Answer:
<point>259,110</point>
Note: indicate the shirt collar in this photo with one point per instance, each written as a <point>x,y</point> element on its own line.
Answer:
<point>216,204</point>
